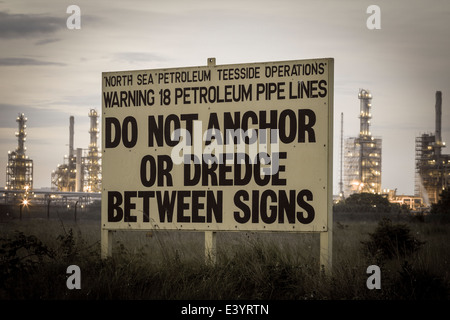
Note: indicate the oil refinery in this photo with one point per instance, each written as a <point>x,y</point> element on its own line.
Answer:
<point>76,184</point>
<point>78,180</point>
<point>361,164</point>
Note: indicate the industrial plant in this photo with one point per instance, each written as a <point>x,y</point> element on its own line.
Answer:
<point>432,167</point>
<point>360,161</point>
<point>81,170</point>
<point>362,155</point>
<point>78,180</point>
<point>76,184</point>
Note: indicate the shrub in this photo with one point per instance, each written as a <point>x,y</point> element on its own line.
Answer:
<point>416,283</point>
<point>20,257</point>
<point>21,254</point>
<point>443,205</point>
<point>391,240</point>
<point>364,202</point>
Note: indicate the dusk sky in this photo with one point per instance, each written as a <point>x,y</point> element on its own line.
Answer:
<point>50,72</point>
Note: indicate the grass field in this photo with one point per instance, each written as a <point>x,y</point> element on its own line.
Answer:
<point>35,254</point>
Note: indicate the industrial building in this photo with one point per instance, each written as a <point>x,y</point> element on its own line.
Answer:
<point>362,154</point>
<point>19,169</point>
<point>432,167</point>
<point>81,170</point>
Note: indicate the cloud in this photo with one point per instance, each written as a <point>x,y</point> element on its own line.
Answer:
<point>138,57</point>
<point>46,41</point>
<point>27,62</point>
<point>28,25</point>
<point>37,117</point>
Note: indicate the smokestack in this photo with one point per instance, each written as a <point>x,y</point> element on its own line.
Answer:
<point>438,137</point>
<point>71,137</point>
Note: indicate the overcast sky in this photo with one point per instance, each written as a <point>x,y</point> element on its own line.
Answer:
<point>50,72</point>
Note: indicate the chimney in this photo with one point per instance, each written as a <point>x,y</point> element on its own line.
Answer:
<point>71,137</point>
<point>438,137</point>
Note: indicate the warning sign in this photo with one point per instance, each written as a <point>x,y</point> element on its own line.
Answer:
<point>218,147</point>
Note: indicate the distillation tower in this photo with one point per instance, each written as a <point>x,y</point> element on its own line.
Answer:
<point>19,170</point>
<point>362,154</point>
<point>82,171</point>
<point>93,178</point>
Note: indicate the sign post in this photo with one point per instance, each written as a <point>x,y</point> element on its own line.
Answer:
<point>106,243</point>
<point>243,147</point>
<point>210,247</point>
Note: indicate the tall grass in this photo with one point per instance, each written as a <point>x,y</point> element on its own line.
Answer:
<point>170,265</point>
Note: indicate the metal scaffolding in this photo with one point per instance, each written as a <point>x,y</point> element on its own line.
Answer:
<point>432,167</point>
<point>19,170</point>
<point>362,155</point>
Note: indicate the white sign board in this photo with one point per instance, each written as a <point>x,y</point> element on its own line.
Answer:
<point>218,147</point>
